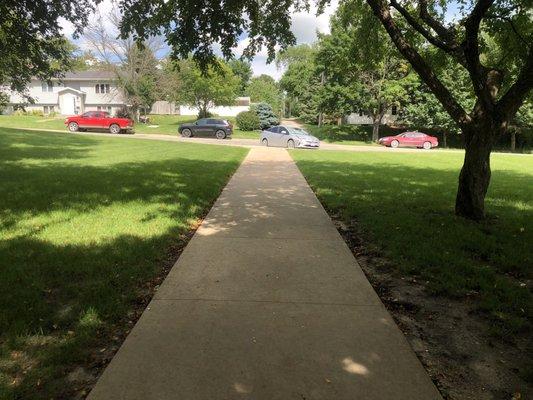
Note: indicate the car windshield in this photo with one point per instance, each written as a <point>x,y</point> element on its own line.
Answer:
<point>297,131</point>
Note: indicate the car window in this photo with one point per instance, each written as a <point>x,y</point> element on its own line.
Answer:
<point>201,122</point>
<point>283,130</point>
<point>420,135</point>
<point>88,114</point>
<point>212,122</point>
<point>105,115</point>
<point>274,129</point>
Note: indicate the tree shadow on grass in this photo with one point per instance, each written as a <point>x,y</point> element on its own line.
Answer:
<point>16,145</point>
<point>79,239</point>
<point>407,211</point>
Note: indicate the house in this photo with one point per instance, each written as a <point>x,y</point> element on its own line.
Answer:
<point>76,93</point>
<point>361,118</point>
<point>165,107</point>
<point>96,90</point>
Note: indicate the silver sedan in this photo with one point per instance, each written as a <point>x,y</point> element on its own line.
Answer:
<point>288,136</point>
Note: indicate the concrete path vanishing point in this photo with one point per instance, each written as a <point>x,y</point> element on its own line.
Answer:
<point>266,302</point>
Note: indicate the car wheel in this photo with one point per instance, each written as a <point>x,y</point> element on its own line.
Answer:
<point>264,142</point>
<point>73,127</point>
<point>186,133</point>
<point>427,145</point>
<point>114,128</point>
<point>220,134</point>
<point>394,144</point>
<point>290,144</point>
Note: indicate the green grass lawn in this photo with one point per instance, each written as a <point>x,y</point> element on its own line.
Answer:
<point>403,204</point>
<point>159,124</point>
<point>85,223</point>
<point>355,135</point>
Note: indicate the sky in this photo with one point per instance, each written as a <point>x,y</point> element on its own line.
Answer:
<point>304,26</point>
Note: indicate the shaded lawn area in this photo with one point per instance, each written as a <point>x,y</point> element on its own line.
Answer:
<point>159,124</point>
<point>85,222</point>
<point>403,204</point>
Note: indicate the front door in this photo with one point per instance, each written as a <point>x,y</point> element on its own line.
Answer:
<point>67,103</point>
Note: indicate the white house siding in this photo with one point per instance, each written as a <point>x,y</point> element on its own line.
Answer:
<point>357,119</point>
<point>88,99</point>
<point>228,111</point>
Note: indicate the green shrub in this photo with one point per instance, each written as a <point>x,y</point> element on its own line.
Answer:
<point>266,115</point>
<point>248,121</point>
<point>38,113</point>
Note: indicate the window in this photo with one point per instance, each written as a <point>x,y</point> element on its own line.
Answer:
<point>88,114</point>
<point>201,122</point>
<point>394,110</point>
<point>102,88</point>
<point>274,129</point>
<point>48,109</point>
<point>47,87</point>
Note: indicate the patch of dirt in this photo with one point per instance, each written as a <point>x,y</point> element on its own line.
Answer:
<point>450,337</point>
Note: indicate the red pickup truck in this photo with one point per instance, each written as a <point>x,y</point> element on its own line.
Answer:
<point>98,120</point>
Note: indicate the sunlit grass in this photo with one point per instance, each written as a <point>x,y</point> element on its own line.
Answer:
<point>403,204</point>
<point>84,223</point>
<point>159,124</point>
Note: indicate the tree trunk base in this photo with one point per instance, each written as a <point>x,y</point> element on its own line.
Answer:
<point>475,175</point>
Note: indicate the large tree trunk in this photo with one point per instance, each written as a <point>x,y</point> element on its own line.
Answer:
<point>513,139</point>
<point>475,175</point>
<point>375,129</point>
<point>444,139</point>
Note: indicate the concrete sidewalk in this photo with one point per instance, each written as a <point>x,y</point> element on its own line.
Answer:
<point>266,303</point>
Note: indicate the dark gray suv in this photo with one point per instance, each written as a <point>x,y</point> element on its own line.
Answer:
<point>219,128</point>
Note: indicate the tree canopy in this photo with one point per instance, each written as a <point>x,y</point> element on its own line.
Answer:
<point>264,89</point>
<point>32,42</point>
<point>216,86</point>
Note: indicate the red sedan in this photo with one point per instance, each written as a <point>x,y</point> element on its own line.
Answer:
<point>410,139</point>
<point>98,120</point>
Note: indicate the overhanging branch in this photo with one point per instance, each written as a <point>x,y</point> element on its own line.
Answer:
<point>515,96</point>
<point>445,97</point>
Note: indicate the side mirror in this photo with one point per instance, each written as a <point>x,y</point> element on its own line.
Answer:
<point>284,132</point>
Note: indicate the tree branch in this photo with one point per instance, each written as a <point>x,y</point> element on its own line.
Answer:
<point>451,105</point>
<point>420,28</point>
<point>515,96</point>
<point>441,30</point>
<point>471,51</point>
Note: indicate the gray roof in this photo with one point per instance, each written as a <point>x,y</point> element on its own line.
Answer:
<point>90,74</point>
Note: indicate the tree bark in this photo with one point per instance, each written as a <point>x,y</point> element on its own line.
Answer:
<point>444,139</point>
<point>475,174</point>
<point>513,139</point>
<point>375,129</point>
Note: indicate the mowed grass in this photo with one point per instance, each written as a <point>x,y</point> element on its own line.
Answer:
<point>354,135</point>
<point>403,204</point>
<point>85,223</point>
<point>159,124</point>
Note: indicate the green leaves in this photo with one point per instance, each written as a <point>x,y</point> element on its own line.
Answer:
<point>216,86</point>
